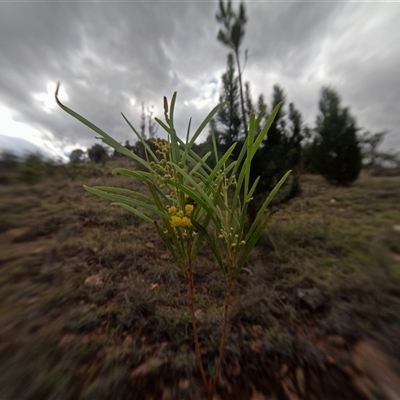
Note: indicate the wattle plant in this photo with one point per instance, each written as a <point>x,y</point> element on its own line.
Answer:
<point>191,203</point>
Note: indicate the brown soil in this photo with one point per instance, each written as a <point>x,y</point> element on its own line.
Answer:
<point>92,308</point>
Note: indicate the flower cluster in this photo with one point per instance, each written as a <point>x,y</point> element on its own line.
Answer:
<point>162,167</point>
<point>181,218</point>
<point>230,238</point>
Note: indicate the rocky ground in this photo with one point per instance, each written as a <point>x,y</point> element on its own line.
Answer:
<point>92,308</point>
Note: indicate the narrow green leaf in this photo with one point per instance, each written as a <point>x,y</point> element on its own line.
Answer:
<point>106,138</point>
<point>265,130</point>
<point>170,247</point>
<point>126,200</point>
<point>212,242</point>
<point>134,211</point>
<point>123,191</point>
<point>206,121</point>
<point>252,242</point>
<point>266,204</point>
<point>198,188</point>
<point>146,146</point>
<point>221,163</point>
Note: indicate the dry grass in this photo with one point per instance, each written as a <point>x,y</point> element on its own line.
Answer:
<point>66,340</point>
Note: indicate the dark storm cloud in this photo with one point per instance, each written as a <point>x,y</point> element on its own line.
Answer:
<point>110,57</point>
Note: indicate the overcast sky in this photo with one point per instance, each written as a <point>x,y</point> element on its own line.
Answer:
<point>112,56</point>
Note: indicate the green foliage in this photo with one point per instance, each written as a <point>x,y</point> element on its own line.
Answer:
<point>189,203</point>
<point>34,169</point>
<point>98,154</point>
<point>77,156</point>
<point>281,150</point>
<point>227,124</point>
<point>232,36</point>
<point>8,161</point>
<point>336,151</point>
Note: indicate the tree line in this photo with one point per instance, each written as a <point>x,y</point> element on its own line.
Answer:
<point>333,148</point>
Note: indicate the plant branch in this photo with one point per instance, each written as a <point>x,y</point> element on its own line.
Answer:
<point>189,276</point>
<point>229,284</point>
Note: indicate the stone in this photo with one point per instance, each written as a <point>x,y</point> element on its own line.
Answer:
<point>128,340</point>
<point>336,340</point>
<point>199,315</point>
<point>66,340</point>
<point>257,395</point>
<point>313,299</point>
<point>94,281</point>
<point>300,380</point>
<point>17,234</point>
<point>149,366</point>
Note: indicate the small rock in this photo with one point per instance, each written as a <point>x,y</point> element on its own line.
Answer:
<point>396,228</point>
<point>183,348</point>
<point>17,234</point>
<point>184,384</point>
<point>257,395</point>
<point>148,366</point>
<point>149,245</point>
<point>311,298</point>
<point>33,300</point>
<point>66,339</point>
<point>199,315</point>
<point>257,330</point>
<point>256,346</point>
<point>128,340</point>
<point>153,286</point>
<point>363,385</point>
<point>336,340</point>
<point>289,388</point>
<point>300,380</point>
<point>330,359</point>
<point>39,250</point>
<point>234,370</point>
<point>85,339</point>
<point>369,359</point>
<point>283,370</point>
<point>164,256</point>
<point>94,281</point>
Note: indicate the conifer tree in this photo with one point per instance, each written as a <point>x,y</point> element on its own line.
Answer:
<point>227,123</point>
<point>281,149</point>
<point>337,151</point>
<point>232,37</point>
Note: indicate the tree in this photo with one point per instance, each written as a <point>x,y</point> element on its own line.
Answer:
<point>151,124</point>
<point>337,151</point>
<point>77,156</point>
<point>370,143</point>
<point>227,123</point>
<point>281,150</point>
<point>8,161</point>
<point>98,154</point>
<point>232,37</point>
<point>143,123</point>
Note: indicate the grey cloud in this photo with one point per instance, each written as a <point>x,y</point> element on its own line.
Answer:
<point>107,55</point>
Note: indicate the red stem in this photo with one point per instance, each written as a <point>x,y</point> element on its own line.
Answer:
<point>189,276</point>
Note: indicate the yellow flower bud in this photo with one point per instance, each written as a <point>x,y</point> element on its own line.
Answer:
<point>172,210</point>
<point>186,222</point>
<point>176,221</point>
<point>189,208</point>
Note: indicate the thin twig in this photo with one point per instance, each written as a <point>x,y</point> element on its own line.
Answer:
<point>189,276</point>
<point>229,284</point>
